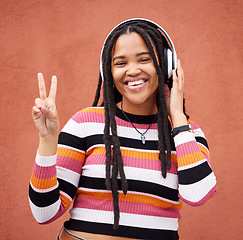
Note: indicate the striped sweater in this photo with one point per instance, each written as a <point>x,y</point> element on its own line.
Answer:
<point>151,208</point>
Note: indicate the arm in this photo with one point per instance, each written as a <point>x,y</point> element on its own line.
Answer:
<point>55,179</point>
<point>47,198</point>
<point>197,182</point>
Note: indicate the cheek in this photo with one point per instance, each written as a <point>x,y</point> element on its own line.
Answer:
<point>117,75</point>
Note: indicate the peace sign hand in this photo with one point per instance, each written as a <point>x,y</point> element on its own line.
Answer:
<point>44,112</point>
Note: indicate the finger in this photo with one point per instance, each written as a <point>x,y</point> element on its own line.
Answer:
<point>35,110</point>
<point>36,113</point>
<point>53,89</point>
<point>38,103</point>
<point>180,75</point>
<point>175,78</point>
<point>42,87</point>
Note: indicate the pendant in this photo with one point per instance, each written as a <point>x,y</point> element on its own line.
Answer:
<point>143,138</point>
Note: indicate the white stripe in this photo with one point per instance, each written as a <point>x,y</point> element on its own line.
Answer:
<point>199,133</point>
<point>43,214</point>
<point>139,174</point>
<point>126,219</point>
<point>45,161</point>
<point>93,128</point>
<point>44,190</point>
<point>184,137</point>
<point>197,191</point>
<point>68,175</point>
<point>192,165</point>
<point>130,132</point>
<point>71,148</point>
<point>85,129</point>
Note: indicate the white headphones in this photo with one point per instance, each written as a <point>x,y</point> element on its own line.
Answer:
<point>169,54</point>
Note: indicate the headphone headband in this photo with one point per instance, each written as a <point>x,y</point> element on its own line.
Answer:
<point>171,53</point>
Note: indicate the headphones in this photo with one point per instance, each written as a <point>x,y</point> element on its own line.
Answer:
<point>169,53</point>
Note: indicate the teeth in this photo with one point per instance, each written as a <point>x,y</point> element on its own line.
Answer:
<point>133,83</point>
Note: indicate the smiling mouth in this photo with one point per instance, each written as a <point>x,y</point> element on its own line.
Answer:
<point>136,82</point>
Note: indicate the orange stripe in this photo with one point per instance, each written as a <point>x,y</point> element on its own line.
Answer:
<point>43,183</point>
<point>95,110</point>
<point>131,153</point>
<point>129,197</point>
<point>69,153</point>
<point>190,158</point>
<point>204,150</point>
<point>65,201</point>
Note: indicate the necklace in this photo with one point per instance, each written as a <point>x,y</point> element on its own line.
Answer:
<point>142,134</point>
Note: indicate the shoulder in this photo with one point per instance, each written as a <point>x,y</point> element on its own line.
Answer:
<point>89,114</point>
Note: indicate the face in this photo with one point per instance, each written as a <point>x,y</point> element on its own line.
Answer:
<point>134,74</point>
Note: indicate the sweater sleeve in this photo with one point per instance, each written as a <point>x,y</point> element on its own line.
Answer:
<point>54,180</point>
<point>197,182</point>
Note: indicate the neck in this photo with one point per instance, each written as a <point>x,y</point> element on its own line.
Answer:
<point>140,109</point>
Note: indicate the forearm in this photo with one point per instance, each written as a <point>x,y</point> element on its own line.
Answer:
<point>197,182</point>
<point>178,119</point>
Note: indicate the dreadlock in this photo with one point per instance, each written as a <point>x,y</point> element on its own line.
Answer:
<point>152,38</point>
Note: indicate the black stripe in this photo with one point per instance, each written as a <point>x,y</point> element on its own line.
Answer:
<point>123,231</point>
<point>133,185</point>
<point>124,142</point>
<point>195,174</point>
<point>43,199</point>
<point>203,141</point>
<point>140,119</point>
<point>71,141</point>
<point>67,187</point>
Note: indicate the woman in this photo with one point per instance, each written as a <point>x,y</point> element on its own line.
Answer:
<point>129,163</point>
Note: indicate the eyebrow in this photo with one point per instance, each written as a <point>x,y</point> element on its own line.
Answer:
<point>137,55</point>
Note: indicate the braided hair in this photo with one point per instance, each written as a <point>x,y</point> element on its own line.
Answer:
<point>111,96</point>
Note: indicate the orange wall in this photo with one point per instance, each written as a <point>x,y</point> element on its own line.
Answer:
<point>65,38</point>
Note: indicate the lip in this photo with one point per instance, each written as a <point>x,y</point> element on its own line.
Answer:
<point>135,87</point>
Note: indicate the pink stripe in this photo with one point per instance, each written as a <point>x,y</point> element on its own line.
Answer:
<point>69,163</point>
<point>125,207</point>
<point>44,172</point>
<point>81,117</point>
<point>194,125</point>
<point>150,164</point>
<point>94,117</point>
<point>187,148</point>
<point>203,200</point>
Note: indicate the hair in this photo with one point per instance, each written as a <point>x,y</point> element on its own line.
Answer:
<point>111,96</point>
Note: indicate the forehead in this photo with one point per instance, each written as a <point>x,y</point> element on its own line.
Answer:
<point>129,43</point>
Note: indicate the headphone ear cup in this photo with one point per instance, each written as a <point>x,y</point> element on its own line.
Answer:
<point>169,59</point>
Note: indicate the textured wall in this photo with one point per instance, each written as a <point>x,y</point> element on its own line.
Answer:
<point>65,38</point>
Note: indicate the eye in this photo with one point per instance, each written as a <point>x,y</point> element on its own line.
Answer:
<point>120,64</point>
<point>145,60</point>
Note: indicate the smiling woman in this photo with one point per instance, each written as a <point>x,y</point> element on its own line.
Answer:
<point>126,174</point>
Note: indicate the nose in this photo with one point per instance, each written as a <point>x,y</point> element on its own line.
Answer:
<point>133,69</point>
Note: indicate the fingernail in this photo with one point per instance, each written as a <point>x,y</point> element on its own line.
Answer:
<point>179,62</point>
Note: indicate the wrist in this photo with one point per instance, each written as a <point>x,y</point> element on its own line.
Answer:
<point>48,145</point>
<point>178,119</point>
<point>184,128</point>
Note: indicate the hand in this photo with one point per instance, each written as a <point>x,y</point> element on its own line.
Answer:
<point>174,97</point>
<point>44,112</point>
